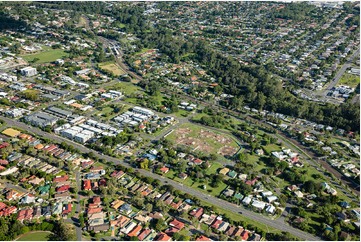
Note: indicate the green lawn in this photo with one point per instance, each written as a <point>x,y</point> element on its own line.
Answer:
<point>47,55</point>
<point>35,236</point>
<point>271,147</point>
<point>349,80</point>
<point>197,185</point>
<point>125,87</point>
<point>214,167</point>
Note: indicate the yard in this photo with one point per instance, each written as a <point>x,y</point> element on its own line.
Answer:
<point>111,67</point>
<point>271,147</point>
<point>45,56</point>
<point>349,80</point>
<point>35,236</point>
<point>197,185</point>
<point>204,140</point>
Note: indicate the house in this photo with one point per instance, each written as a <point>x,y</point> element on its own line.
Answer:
<point>228,192</point>
<point>29,198</point>
<point>67,209</point>
<point>64,188</point>
<point>232,174</point>
<point>183,175</point>
<point>298,194</point>
<point>99,228</point>
<point>217,222</point>
<point>162,237</point>
<point>117,174</point>
<point>224,171</point>
<point>223,226</point>
<point>203,238</point>
<point>96,200</point>
<point>345,204</point>
<point>87,185</point>
<point>25,214</point>
<point>125,208</point>
<point>164,169</point>
<point>171,230</point>
<point>60,179</point>
<point>197,161</point>
<point>342,216</point>
<point>271,199</point>
<point>197,212</point>
<point>177,224</point>
<point>245,235</point>
<point>144,234</point>
<point>117,203</point>
<point>135,231</point>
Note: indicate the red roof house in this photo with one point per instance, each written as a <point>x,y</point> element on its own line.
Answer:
<point>197,212</point>
<point>87,186</point>
<point>61,179</point>
<point>163,237</point>
<point>64,188</point>
<point>67,209</point>
<point>177,224</point>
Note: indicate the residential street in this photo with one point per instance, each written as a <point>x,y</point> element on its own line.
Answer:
<point>278,224</point>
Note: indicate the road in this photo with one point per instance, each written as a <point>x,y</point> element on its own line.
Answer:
<point>279,224</point>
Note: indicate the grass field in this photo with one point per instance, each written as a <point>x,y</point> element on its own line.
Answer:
<point>271,147</point>
<point>197,185</point>
<point>349,80</point>
<point>47,55</point>
<point>112,67</point>
<point>208,143</point>
<point>125,87</point>
<point>35,236</point>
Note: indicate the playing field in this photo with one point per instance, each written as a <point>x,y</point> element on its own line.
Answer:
<point>112,67</point>
<point>46,56</point>
<point>204,140</point>
<point>35,236</point>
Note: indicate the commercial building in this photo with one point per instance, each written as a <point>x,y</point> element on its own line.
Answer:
<point>41,119</point>
<point>28,71</point>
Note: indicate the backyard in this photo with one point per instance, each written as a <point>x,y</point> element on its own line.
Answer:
<point>349,80</point>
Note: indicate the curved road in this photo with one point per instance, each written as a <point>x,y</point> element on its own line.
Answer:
<point>279,224</point>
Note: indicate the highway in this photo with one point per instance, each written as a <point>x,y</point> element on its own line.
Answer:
<point>279,223</point>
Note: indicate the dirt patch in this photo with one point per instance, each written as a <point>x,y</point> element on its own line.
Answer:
<point>205,141</point>
<point>227,151</point>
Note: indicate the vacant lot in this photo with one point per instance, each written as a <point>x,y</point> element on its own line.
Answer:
<point>35,236</point>
<point>112,67</point>
<point>204,140</point>
<point>125,87</point>
<point>349,80</point>
<point>46,56</point>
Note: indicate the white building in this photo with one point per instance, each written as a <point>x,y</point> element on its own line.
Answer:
<point>28,71</point>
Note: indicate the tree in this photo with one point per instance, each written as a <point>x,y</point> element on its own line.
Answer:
<point>63,232</point>
<point>81,220</point>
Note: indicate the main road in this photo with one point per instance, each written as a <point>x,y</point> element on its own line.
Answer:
<point>279,224</point>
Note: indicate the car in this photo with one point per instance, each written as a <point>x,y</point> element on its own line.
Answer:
<point>240,212</point>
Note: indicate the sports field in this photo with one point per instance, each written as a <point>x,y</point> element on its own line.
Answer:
<point>46,56</point>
